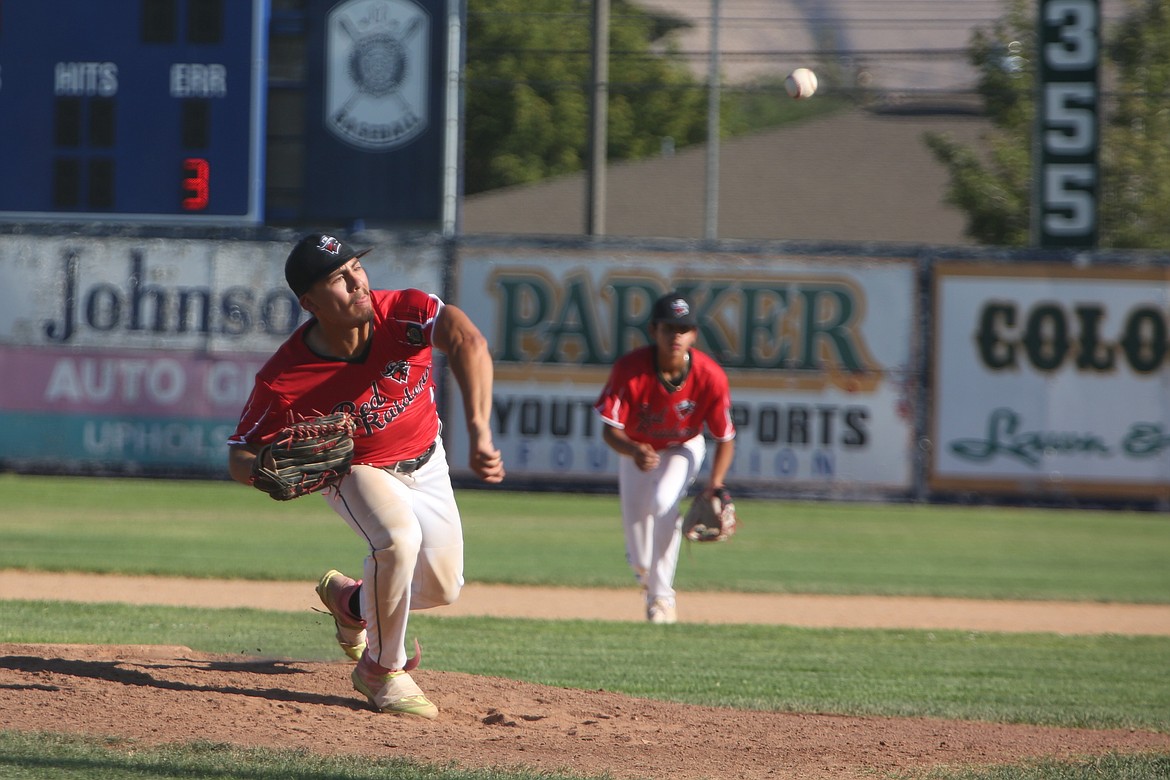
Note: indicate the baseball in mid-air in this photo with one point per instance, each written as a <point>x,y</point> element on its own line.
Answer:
<point>801,83</point>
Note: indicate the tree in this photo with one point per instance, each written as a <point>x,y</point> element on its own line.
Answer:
<point>1135,190</point>
<point>995,189</point>
<point>995,192</point>
<point>528,81</point>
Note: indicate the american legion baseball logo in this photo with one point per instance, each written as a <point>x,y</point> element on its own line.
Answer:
<point>376,72</point>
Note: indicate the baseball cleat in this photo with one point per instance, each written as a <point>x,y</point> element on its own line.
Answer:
<point>661,611</point>
<point>393,692</point>
<point>335,590</point>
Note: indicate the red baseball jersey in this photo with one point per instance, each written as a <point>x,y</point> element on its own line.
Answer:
<point>636,401</point>
<point>390,390</point>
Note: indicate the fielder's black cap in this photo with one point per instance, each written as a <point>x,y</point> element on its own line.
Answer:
<point>314,257</point>
<point>674,309</point>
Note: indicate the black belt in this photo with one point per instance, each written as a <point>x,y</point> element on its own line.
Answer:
<point>414,464</point>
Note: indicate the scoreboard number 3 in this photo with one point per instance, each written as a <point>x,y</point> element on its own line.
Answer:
<point>196,183</point>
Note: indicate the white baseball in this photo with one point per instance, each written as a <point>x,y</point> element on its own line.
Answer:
<point>801,83</point>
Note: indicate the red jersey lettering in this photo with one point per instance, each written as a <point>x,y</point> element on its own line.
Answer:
<point>390,391</point>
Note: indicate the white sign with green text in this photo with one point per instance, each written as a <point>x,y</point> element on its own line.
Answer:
<point>1052,379</point>
<point>819,353</point>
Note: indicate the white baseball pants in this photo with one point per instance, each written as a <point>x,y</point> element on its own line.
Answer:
<point>652,517</point>
<point>412,527</point>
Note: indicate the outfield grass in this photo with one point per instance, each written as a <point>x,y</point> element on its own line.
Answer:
<point>43,756</point>
<point>220,529</point>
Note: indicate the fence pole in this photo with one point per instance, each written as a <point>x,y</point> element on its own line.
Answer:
<point>711,228</point>
<point>599,116</point>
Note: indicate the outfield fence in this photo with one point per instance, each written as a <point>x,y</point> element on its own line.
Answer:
<point>858,371</point>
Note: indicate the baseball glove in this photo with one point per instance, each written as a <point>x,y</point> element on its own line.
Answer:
<point>305,457</point>
<point>711,517</point>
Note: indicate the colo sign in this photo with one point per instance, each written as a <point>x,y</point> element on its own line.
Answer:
<point>1051,381</point>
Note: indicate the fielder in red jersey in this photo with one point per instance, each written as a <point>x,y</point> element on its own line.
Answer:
<point>370,353</point>
<point>655,404</point>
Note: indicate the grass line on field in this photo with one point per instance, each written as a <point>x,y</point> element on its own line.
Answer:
<point>223,530</point>
<point>1095,682</point>
<point>560,603</point>
<point>41,756</point>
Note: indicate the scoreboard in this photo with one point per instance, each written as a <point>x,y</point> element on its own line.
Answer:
<point>132,110</point>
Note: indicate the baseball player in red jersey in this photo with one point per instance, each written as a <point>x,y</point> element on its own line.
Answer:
<point>369,353</point>
<point>654,406</point>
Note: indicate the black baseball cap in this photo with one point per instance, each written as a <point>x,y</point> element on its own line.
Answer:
<point>674,309</point>
<point>314,257</point>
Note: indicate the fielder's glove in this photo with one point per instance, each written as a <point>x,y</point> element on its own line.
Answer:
<point>711,517</point>
<point>305,457</point>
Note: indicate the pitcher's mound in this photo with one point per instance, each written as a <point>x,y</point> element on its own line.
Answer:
<point>173,694</point>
